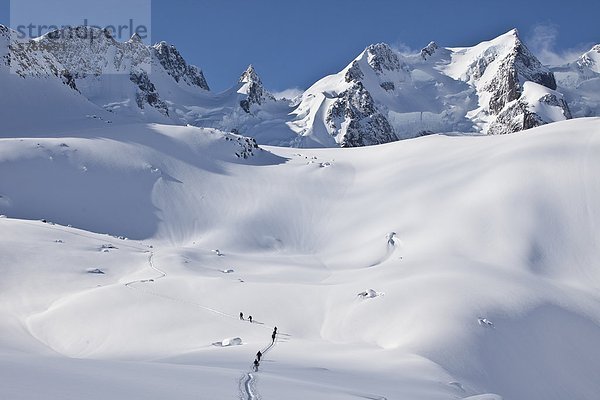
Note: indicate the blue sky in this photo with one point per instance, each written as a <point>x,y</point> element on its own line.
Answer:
<point>292,44</point>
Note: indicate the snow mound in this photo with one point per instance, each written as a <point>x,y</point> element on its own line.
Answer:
<point>236,341</point>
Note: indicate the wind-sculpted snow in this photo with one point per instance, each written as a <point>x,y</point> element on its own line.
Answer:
<point>436,268</point>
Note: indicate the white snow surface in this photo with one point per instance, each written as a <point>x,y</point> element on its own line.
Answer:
<point>501,228</point>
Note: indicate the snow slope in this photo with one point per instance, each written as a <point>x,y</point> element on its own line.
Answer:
<point>481,252</point>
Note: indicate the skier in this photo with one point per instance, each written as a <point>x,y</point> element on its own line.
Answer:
<point>242,316</point>
<point>256,364</point>
<point>273,336</point>
<point>258,355</point>
<point>250,318</point>
<point>275,330</point>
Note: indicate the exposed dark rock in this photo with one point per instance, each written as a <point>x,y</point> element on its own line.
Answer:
<point>381,57</point>
<point>389,86</point>
<point>255,92</point>
<point>429,50</point>
<point>518,67</point>
<point>518,116</point>
<point>354,73</point>
<point>364,124</point>
<point>175,65</point>
<point>146,93</point>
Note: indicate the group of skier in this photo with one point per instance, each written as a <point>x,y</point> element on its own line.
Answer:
<point>260,354</point>
<point>242,317</point>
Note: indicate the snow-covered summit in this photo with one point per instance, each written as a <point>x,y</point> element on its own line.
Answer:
<point>498,69</point>
<point>128,77</point>
<point>382,58</point>
<point>251,86</point>
<point>381,96</point>
<point>590,59</point>
<point>250,76</point>
<point>384,95</point>
<point>579,81</point>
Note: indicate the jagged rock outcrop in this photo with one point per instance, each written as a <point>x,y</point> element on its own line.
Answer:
<point>146,93</point>
<point>86,51</point>
<point>382,58</point>
<point>246,146</point>
<point>534,108</point>
<point>354,73</point>
<point>252,87</point>
<point>429,50</point>
<point>356,121</point>
<point>176,66</point>
<point>519,66</point>
<point>90,55</point>
<point>27,58</point>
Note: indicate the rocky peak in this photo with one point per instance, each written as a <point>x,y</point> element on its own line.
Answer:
<point>89,51</point>
<point>81,36</point>
<point>250,76</point>
<point>4,31</point>
<point>429,50</point>
<point>381,57</point>
<point>590,59</point>
<point>252,87</point>
<point>136,38</point>
<point>529,68</point>
<point>355,120</point>
<point>27,59</point>
<point>176,66</point>
<point>514,65</point>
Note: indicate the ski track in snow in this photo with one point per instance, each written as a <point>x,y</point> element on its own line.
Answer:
<point>68,230</point>
<point>247,383</point>
<point>248,380</point>
<point>248,387</point>
<point>162,274</point>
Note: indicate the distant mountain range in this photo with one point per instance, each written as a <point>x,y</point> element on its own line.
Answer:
<point>496,87</point>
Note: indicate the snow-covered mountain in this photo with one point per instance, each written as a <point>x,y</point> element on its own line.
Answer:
<point>39,95</point>
<point>128,77</point>
<point>443,267</point>
<point>580,82</point>
<point>92,79</point>
<point>495,87</point>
